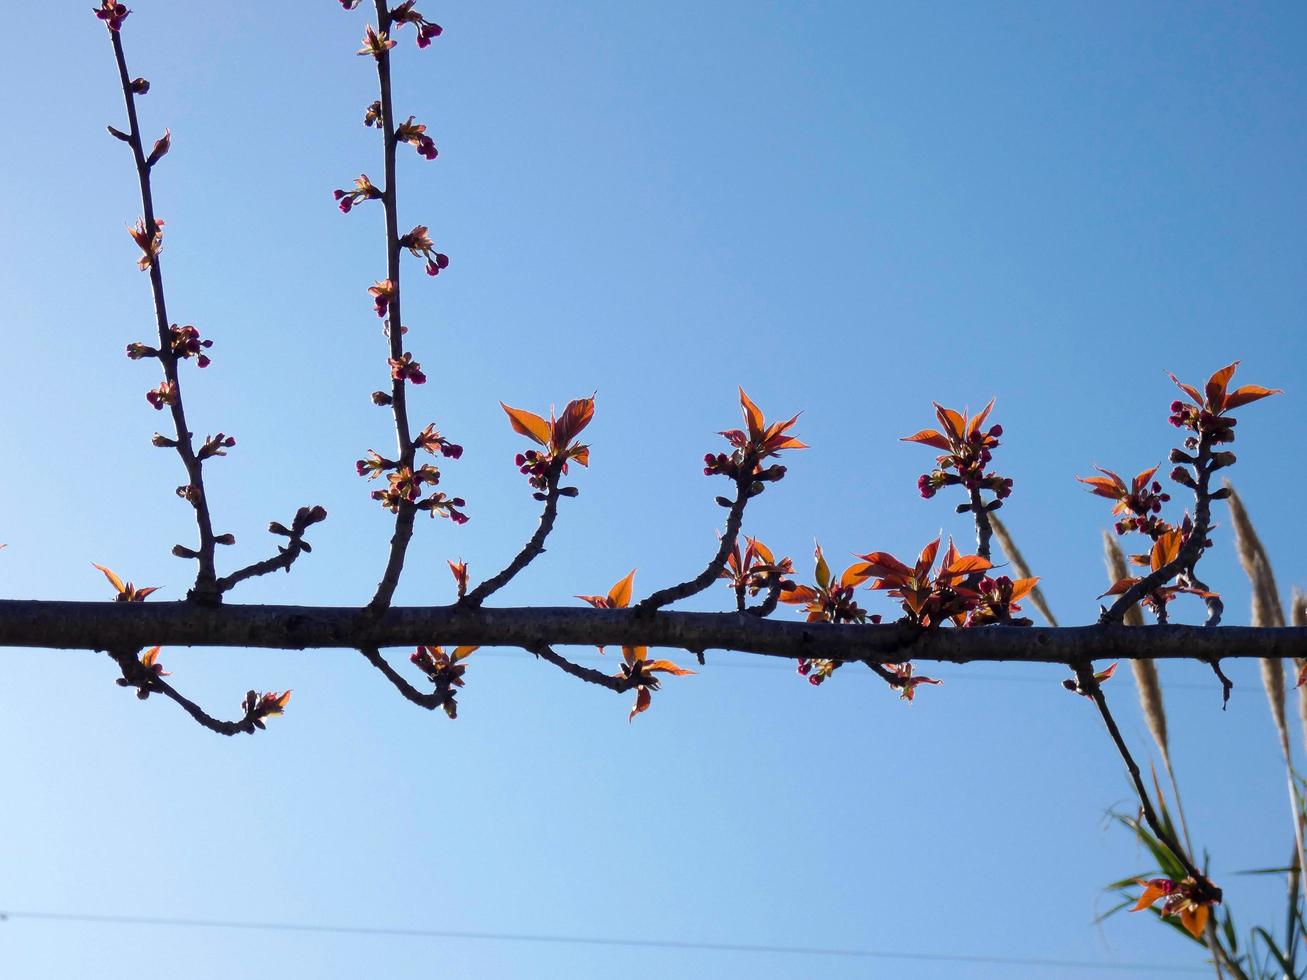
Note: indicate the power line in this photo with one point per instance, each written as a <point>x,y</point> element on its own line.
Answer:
<point>665,944</point>
<point>774,665</point>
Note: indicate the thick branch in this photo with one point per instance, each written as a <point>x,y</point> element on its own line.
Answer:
<point>104,625</point>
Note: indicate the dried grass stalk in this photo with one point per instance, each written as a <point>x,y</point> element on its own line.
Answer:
<point>1020,567</point>
<point>1266,608</point>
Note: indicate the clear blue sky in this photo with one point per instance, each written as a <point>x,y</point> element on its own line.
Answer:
<point>849,208</point>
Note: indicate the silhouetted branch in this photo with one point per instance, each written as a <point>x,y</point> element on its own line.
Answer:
<point>205,588</point>
<point>129,625</point>
<point>709,575</point>
<point>530,551</point>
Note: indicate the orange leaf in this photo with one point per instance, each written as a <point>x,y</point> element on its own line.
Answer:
<point>462,652</point>
<point>1121,587</point>
<point>642,699</point>
<point>114,580</point>
<point>1189,390</point>
<point>528,424</point>
<point>1194,918</point>
<point>1153,890</point>
<point>1165,549</point>
<point>1105,674</point>
<point>929,437</point>
<point>823,570</point>
<point>1216,384</point>
<point>752,415</point>
<point>666,667</point>
<point>967,564</point>
<point>1022,587</point>
<point>1249,393</point>
<point>953,423</point>
<point>979,420</point>
<point>799,594</point>
<point>575,417</point>
<point>619,597</point>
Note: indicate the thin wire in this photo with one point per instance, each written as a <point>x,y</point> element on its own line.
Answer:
<point>768,664</point>
<point>668,944</point>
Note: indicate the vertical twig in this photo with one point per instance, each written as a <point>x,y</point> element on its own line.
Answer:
<point>406,513</point>
<point>204,589</point>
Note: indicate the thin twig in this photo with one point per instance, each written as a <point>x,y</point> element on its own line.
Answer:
<point>205,589</point>
<point>1189,554</point>
<point>406,512</point>
<point>423,699</point>
<point>983,528</point>
<point>530,551</point>
<point>545,652</point>
<point>147,682</point>
<point>768,605</point>
<point>713,571</point>
<point>1088,686</point>
<point>304,518</point>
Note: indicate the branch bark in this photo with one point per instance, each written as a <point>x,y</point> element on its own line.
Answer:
<point>105,625</point>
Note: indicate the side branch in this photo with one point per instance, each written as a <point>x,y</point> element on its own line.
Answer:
<point>205,578</point>
<point>546,652</point>
<point>734,520</point>
<point>123,625</point>
<point>530,551</point>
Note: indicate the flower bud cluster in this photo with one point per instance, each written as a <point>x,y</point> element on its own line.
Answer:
<point>415,134</point>
<point>113,14</point>
<point>419,243</point>
<point>404,368</point>
<point>216,446</point>
<point>364,190</point>
<point>186,342</point>
<point>405,14</point>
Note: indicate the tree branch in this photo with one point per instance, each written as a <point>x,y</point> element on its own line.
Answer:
<point>205,589</point>
<point>406,513</point>
<point>423,699</point>
<point>105,625</point>
<point>709,575</point>
<point>545,652</point>
<point>530,551</point>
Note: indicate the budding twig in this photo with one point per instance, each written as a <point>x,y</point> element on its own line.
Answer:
<point>423,699</point>
<point>531,550</point>
<point>147,682</point>
<point>1090,687</point>
<point>406,512</point>
<point>545,652</point>
<point>1190,553</point>
<point>734,520</point>
<point>304,518</point>
<point>205,588</point>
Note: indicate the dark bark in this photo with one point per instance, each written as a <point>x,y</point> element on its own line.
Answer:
<point>120,625</point>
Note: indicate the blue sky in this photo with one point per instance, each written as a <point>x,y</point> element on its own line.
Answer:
<point>849,208</point>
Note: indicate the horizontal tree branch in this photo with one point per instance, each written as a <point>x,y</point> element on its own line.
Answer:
<point>104,625</point>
